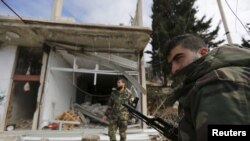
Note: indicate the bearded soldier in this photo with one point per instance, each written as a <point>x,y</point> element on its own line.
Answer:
<point>116,113</point>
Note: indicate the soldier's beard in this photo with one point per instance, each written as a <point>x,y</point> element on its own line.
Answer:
<point>119,88</point>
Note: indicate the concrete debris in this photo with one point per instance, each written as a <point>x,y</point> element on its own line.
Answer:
<point>84,120</point>
<point>24,124</point>
<point>89,116</point>
<point>96,109</point>
<point>91,138</point>
<point>88,111</point>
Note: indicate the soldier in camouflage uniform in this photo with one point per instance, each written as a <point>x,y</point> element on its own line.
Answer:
<point>116,112</point>
<point>215,87</point>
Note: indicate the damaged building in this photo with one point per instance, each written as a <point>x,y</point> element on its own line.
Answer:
<point>63,73</point>
<point>50,70</point>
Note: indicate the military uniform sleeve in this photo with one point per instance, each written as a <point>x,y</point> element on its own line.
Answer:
<point>109,104</point>
<point>219,102</point>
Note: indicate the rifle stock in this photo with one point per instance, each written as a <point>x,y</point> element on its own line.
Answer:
<point>158,124</point>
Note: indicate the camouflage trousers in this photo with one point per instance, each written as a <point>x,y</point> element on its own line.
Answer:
<point>114,125</point>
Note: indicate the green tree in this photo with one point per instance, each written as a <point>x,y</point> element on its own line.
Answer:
<point>172,18</point>
<point>246,43</point>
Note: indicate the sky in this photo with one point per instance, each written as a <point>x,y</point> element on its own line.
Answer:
<point>241,8</point>
<point>115,12</point>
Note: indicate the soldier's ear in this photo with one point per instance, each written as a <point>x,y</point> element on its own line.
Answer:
<point>203,51</point>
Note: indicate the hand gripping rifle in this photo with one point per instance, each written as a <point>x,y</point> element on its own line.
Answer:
<point>158,124</point>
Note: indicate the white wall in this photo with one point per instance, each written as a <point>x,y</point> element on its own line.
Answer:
<point>59,91</point>
<point>7,59</point>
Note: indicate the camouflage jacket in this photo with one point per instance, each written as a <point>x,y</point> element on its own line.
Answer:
<point>215,90</point>
<point>115,107</point>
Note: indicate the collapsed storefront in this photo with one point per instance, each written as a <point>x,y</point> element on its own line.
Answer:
<point>64,73</point>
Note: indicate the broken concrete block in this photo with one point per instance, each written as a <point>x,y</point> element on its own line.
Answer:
<point>91,138</point>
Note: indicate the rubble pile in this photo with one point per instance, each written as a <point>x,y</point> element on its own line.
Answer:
<point>96,109</point>
<point>87,115</point>
<point>68,115</point>
<point>91,114</point>
<point>24,124</point>
<point>84,115</point>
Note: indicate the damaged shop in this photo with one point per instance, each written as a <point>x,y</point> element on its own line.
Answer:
<point>59,76</point>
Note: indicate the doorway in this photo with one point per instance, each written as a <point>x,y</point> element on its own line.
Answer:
<point>22,104</point>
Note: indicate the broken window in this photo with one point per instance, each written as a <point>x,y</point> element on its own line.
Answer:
<point>77,91</point>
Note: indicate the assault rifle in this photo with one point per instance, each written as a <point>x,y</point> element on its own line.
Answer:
<point>158,124</point>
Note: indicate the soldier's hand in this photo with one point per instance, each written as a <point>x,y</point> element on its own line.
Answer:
<point>104,118</point>
<point>133,120</point>
<point>132,98</point>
